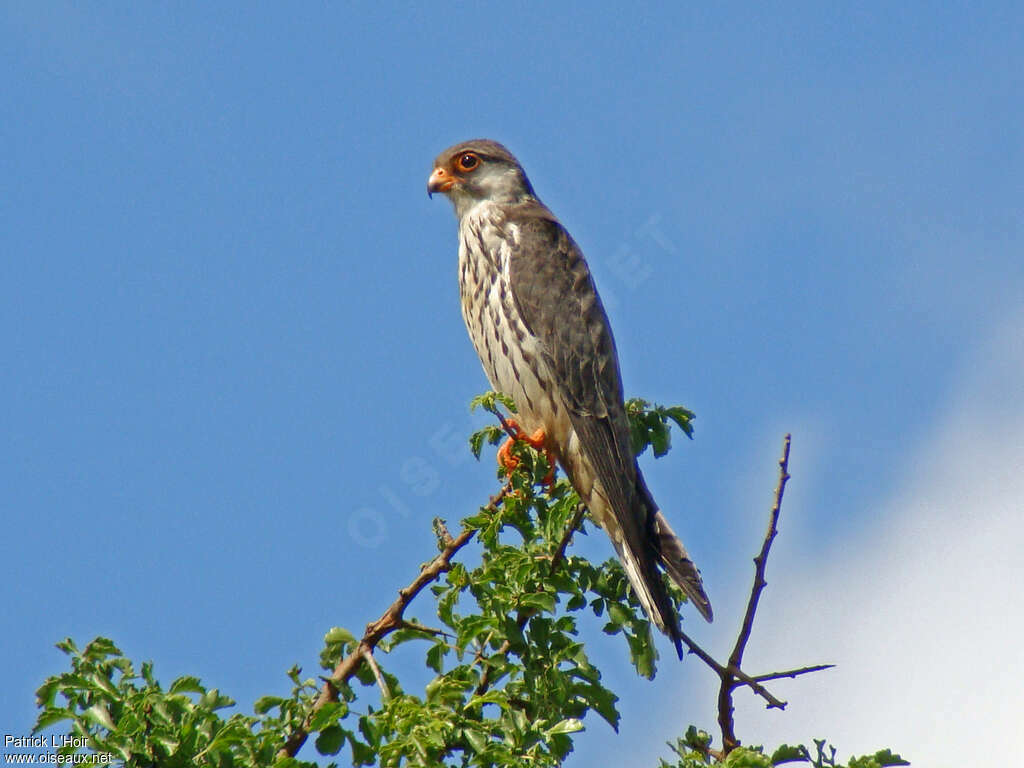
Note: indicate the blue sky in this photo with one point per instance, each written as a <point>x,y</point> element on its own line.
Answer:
<point>235,376</point>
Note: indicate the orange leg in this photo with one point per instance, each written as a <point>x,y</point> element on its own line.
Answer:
<point>537,441</point>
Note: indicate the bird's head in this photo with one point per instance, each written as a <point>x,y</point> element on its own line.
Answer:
<point>479,171</point>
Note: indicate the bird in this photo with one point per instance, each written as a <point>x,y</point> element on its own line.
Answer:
<point>537,323</point>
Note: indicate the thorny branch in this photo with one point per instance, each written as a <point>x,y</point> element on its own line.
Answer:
<point>729,677</point>
<point>793,673</point>
<point>389,621</point>
<point>741,677</point>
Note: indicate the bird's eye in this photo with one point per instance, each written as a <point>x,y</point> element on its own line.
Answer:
<point>468,162</point>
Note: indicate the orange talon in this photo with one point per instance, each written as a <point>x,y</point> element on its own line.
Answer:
<point>505,457</point>
<point>537,441</point>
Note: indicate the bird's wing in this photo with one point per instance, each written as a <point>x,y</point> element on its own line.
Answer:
<point>557,301</point>
<point>556,298</point>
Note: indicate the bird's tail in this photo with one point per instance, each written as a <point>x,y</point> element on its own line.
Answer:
<point>672,554</point>
<point>673,557</point>
<point>644,577</point>
<point>661,547</point>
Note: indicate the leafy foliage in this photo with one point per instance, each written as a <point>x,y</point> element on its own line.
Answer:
<point>512,684</point>
<point>649,425</point>
<point>129,715</point>
<point>693,750</point>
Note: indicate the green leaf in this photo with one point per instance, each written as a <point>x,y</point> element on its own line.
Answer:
<point>101,680</point>
<point>741,757</point>
<point>497,697</point>
<point>169,744</point>
<point>489,401</point>
<point>328,714</point>
<point>212,699</point>
<point>618,614</point>
<point>642,653</point>
<point>47,692</point>
<point>602,701</point>
<point>339,635</point>
<point>67,645</point>
<point>887,757</point>
<point>569,725</point>
<point>789,754</point>
<point>435,656</point>
<point>99,648</point>
<point>330,740</point>
<point>476,443</point>
<point>266,703</point>
<point>99,715</point>
<point>370,730</point>
<point>491,434</point>
<point>649,425</point>
<point>362,754</point>
<point>50,716</point>
<point>683,417</point>
<point>470,628</point>
<point>880,759</point>
<point>186,684</point>
<point>661,439</point>
<point>477,739</point>
<point>544,601</point>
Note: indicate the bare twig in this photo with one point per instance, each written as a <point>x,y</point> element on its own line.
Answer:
<point>741,677</point>
<point>731,675</point>
<point>511,431</point>
<point>385,692</point>
<point>389,621</point>
<point>792,672</point>
<point>730,680</point>
<point>417,627</point>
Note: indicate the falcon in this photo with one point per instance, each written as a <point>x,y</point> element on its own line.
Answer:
<point>542,335</point>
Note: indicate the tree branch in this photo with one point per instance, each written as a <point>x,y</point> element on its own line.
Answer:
<point>389,621</point>
<point>741,677</point>
<point>792,672</point>
<point>417,627</point>
<point>730,679</point>
<point>509,429</point>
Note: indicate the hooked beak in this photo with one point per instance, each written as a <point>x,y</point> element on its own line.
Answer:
<point>440,181</point>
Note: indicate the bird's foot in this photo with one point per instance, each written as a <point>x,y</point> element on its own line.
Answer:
<point>537,441</point>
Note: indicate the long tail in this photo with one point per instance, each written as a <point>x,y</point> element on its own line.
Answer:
<point>672,554</point>
<point>644,577</point>
<point>659,546</point>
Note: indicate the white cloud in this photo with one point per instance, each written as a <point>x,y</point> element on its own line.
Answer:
<point>924,616</point>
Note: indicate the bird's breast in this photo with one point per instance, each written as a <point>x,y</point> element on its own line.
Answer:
<point>511,355</point>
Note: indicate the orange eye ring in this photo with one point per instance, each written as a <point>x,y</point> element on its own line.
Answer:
<point>468,161</point>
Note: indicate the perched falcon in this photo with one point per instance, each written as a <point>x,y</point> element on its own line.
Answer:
<point>543,338</point>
